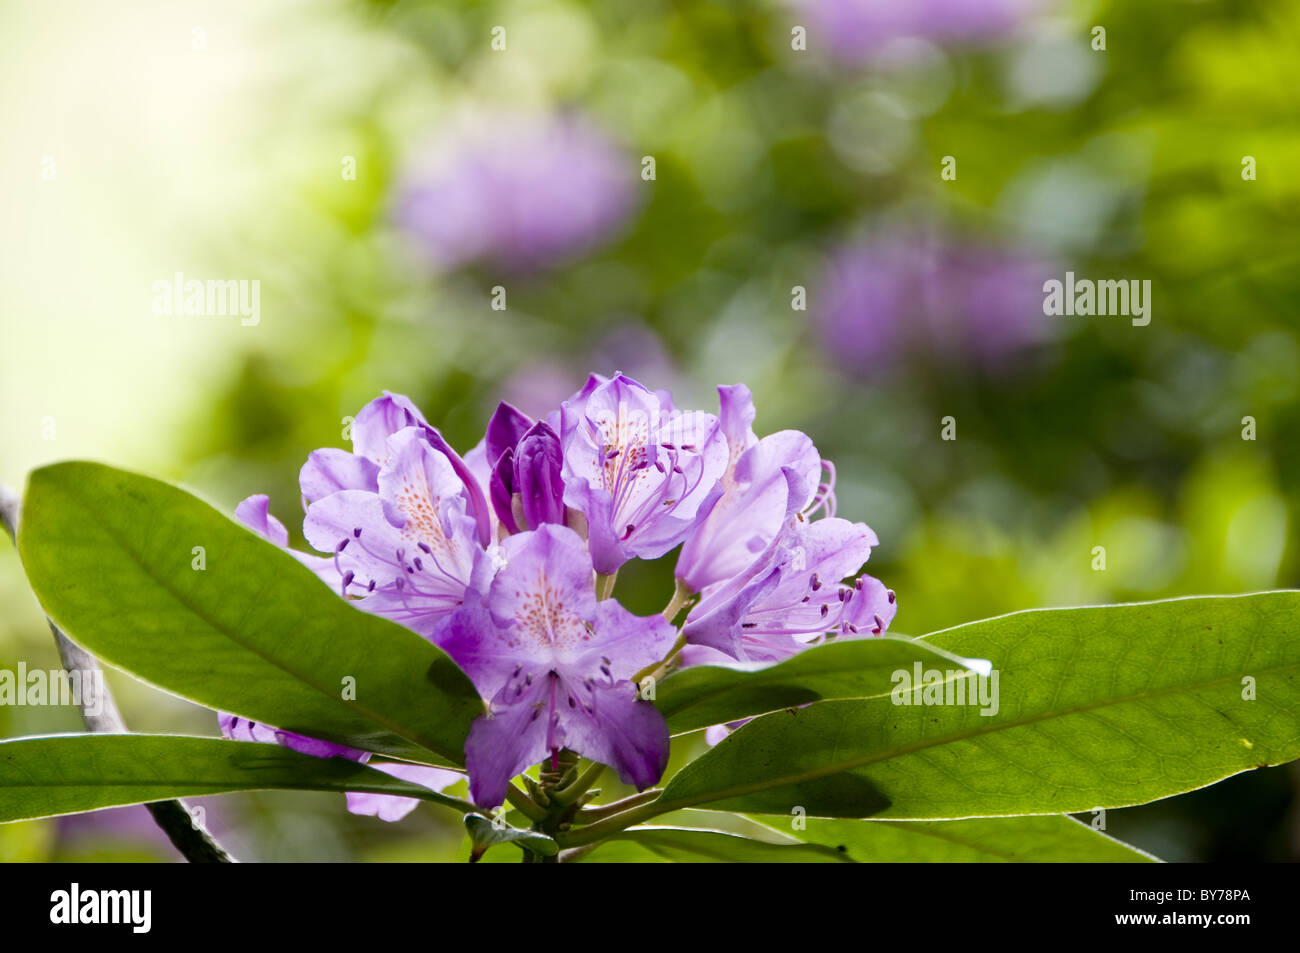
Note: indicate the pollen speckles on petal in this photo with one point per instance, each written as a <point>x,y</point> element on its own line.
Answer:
<point>543,619</point>
<point>420,507</point>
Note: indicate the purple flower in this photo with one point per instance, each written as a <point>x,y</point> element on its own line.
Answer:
<point>508,589</point>
<point>765,482</point>
<point>330,470</point>
<point>639,470</point>
<point>409,550</point>
<point>404,516</point>
<point>791,596</point>
<point>945,300</point>
<point>556,664</point>
<point>526,485</point>
<point>516,191</point>
<point>387,807</point>
<point>857,30</point>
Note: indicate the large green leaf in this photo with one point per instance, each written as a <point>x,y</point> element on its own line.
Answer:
<point>67,774</point>
<point>712,695</point>
<point>1049,838</point>
<point>111,557</point>
<point>695,845</point>
<point>1098,707</point>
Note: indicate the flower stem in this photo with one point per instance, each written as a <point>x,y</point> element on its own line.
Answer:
<point>681,595</point>
<point>579,787</point>
<point>609,825</point>
<point>657,669</point>
<point>525,805</point>
<point>599,812</point>
<point>605,584</point>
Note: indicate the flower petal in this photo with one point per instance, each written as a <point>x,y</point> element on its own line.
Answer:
<point>507,741</point>
<point>393,807</point>
<point>330,470</point>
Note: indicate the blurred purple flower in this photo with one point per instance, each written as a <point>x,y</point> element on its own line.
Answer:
<point>519,192</point>
<point>944,300</point>
<point>856,30</point>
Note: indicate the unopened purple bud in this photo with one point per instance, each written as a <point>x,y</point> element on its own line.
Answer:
<point>537,464</point>
<point>501,488</point>
<point>504,431</point>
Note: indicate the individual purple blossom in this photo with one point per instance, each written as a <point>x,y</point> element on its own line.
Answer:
<point>764,479</point>
<point>639,470</point>
<point>907,293</point>
<point>387,807</point>
<point>768,574</point>
<point>330,470</point>
<point>403,515</point>
<point>517,191</point>
<point>556,664</point>
<point>792,597</point>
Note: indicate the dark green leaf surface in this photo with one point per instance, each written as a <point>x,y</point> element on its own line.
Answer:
<point>1098,707</point>
<point>110,555</point>
<point>67,774</point>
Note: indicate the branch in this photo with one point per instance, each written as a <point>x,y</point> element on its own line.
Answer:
<point>173,817</point>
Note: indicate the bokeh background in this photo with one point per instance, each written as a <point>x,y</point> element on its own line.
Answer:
<point>386,169</point>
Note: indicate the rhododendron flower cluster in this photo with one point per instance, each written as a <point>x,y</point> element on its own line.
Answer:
<point>507,557</point>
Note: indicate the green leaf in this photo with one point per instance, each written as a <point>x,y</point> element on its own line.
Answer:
<point>697,845</point>
<point>111,557</point>
<point>483,833</point>
<point>67,774</point>
<point>1098,707</point>
<point>1049,838</point>
<point>711,695</point>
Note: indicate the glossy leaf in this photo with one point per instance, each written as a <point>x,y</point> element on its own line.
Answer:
<point>115,560</point>
<point>68,774</point>
<point>1096,707</point>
